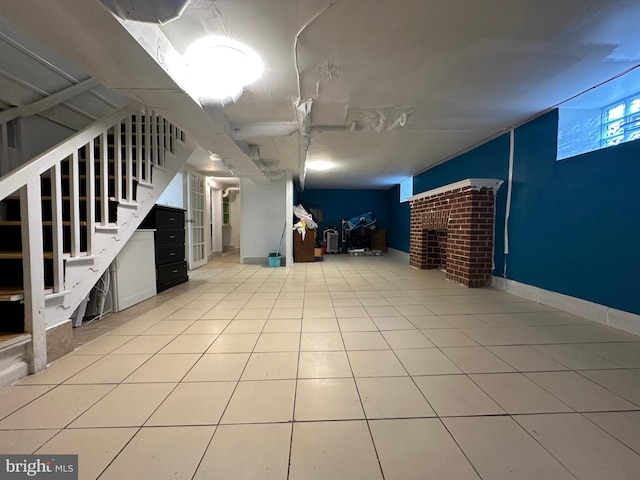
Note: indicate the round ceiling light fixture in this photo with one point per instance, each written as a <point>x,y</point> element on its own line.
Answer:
<point>319,165</point>
<point>219,68</point>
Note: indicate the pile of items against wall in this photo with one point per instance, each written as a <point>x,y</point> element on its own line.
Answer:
<point>356,235</point>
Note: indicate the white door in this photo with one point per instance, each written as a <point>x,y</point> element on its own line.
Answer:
<point>196,221</point>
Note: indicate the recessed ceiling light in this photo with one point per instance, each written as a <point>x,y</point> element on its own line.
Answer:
<point>219,68</point>
<point>319,165</point>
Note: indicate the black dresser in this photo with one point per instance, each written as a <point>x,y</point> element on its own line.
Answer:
<point>169,223</point>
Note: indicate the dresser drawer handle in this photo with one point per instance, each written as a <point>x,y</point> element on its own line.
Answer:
<point>174,271</point>
<point>172,236</point>
<point>172,219</point>
<point>172,254</point>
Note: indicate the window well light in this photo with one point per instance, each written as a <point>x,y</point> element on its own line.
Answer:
<point>219,68</point>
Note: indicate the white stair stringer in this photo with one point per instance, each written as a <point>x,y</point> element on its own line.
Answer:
<point>82,274</point>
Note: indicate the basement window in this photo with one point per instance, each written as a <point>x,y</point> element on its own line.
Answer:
<point>602,117</point>
<point>621,122</point>
<point>406,189</point>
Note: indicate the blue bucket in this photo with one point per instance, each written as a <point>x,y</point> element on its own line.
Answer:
<point>274,261</point>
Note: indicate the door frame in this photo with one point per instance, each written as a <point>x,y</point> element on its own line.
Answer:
<point>196,218</point>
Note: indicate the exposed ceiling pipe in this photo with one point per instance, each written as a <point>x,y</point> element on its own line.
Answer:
<point>264,129</point>
<point>304,119</point>
<point>303,107</point>
<point>295,45</point>
<point>227,191</point>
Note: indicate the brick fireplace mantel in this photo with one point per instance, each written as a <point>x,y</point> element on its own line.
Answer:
<point>452,227</point>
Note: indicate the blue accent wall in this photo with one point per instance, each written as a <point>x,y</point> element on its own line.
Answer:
<point>574,226</point>
<point>399,218</point>
<point>575,223</point>
<point>337,204</point>
<point>490,160</point>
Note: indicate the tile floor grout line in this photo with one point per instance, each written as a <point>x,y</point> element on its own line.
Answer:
<point>535,439</point>
<point>125,445</point>
<point>584,415</point>
<point>522,375</point>
<point>579,372</point>
<point>241,373</point>
<point>373,287</point>
<point>364,412</point>
<point>218,424</point>
<point>295,395</point>
<point>455,440</point>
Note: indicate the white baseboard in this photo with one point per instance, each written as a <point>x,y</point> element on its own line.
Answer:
<point>254,260</point>
<point>398,254</point>
<point>626,321</point>
<point>14,373</point>
<point>13,359</point>
<point>261,261</point>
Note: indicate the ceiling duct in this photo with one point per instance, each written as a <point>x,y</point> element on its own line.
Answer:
<point>263,130</point>
<point>147,11</point>
<point>227,191</point>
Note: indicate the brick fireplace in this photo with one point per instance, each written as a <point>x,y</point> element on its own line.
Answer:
<point>452,228</point>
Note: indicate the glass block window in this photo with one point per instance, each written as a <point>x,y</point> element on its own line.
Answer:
<point>582,130</point>
<point>621,122</point>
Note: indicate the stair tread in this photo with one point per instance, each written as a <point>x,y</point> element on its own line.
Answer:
<point>11,294</point>
<point>15,294</point>
<point>64,197</point>
<point>18,255</point>
<point>10,340</point>
<point>46,223</point>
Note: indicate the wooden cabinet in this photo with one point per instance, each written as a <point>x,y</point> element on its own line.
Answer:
<point>379,240</point>
<point>169,225</point>
<point>303,249</point>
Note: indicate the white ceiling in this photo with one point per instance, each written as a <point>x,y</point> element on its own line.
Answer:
<point>396,86</point>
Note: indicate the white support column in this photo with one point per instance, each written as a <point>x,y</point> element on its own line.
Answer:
<point>33,272</point>
<point>56,217</point>
<point>288,208</point>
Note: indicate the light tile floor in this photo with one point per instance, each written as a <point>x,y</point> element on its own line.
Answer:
<point>353,368</point>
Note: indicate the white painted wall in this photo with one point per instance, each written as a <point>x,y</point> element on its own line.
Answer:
<point>38,134</point>
<point>216,218</point>
<point>288,234</point>
<point>265,211</point>
<point>235,212</point>
<point>173,195</point>
<point>209,236</point>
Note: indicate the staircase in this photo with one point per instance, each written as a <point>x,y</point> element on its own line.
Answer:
<point>65,215</point>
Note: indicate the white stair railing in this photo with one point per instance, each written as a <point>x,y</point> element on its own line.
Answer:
<point>85,177</point>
